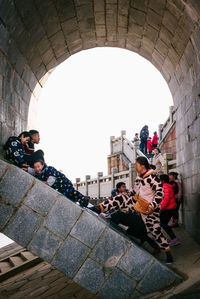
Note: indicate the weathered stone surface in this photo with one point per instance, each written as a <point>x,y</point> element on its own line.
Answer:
<point>70,256</point>
<point>40,199</point>
<point>91,276</point>
<point>135,262</point>
<point>163,276</point>
<point>6,212</point>
<point>9,190</point>
<point>3,166</point>
<point>87,230</point>
<point>62,217</point>
<point>111,246</point>
<point>22,227</point>
<point>118,286</point>
<point>44,244</point>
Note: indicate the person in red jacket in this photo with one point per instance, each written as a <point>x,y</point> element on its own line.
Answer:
<point>155,140</point>
<point>149,145</point>
<point>168,209</point>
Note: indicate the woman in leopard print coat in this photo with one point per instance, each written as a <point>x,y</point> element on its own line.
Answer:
<point>149,187</point>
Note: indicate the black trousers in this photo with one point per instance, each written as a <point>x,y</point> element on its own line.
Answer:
<point>136,226</point>
<point>36,156</point>
<point>143,146</point>
<point>165,217</point>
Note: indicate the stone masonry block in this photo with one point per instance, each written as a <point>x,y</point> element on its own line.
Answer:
<point>44,244</point>
<point>110,248</point>
<point>3,166</point>
<point>13,190</point>
<point>91,276</point>
<point>88,229</point>
<point>135,262</point>
<point>118,286</point>
<point>41,198</point>
<point>22,226</point>
<point>63,216</point>
<point>70,256</point>
<point>164,278</point>
<point>6,212</point>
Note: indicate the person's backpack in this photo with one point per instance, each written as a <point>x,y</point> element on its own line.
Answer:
<point>7,146</point>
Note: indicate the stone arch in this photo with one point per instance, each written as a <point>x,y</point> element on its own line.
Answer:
<point>38,35</point>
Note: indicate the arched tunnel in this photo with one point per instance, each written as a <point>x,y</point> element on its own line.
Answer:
<point>36,36</point>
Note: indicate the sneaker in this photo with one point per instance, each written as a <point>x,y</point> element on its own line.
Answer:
<point>174,242</point>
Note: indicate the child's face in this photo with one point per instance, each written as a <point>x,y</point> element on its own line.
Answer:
<point>122,189</point>
<point>24,140</point>
<point>35,138</point>
<point>38,167</point>
<point>171,177</point>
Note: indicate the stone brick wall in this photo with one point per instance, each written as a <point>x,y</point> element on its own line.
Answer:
<point>35,36</point>
<point>75,241</point>
<point>115,161</point>
<point>169,143</point>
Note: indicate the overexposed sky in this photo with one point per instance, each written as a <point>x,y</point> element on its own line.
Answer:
<point>92,95</point>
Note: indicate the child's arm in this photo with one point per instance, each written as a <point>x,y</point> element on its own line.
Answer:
<point>51,180</point>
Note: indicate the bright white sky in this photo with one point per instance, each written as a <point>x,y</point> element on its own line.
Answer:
<point>91,96</point>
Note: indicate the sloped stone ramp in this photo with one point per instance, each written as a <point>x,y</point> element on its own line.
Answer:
<point>75,241</point>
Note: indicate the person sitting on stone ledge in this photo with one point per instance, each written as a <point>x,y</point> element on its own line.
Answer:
<point>58,181</point>
<point>33,155</point>
<point>15,152</point>
<point>120,209</point>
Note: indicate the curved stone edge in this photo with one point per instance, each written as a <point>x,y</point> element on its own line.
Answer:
<point>76,241</point>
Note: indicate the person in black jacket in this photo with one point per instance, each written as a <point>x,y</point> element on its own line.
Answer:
<point>15,151</point>
<point>144,135</point>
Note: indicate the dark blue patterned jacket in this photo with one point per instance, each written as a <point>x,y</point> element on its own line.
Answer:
<point>58,181</point>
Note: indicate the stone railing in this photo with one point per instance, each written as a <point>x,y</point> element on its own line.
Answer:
<point>100,187</point>
<point>123,145</point>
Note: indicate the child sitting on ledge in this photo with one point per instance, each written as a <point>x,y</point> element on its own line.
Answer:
<point>59,182</point>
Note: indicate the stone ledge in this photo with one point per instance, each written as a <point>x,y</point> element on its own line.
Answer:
<point>76,242</point>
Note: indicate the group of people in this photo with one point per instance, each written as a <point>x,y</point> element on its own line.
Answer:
<point>146,209</point>
<point>145,142</point>
<point>20,150</point>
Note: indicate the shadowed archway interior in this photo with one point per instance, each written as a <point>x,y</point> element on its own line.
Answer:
<point>36,36</point>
